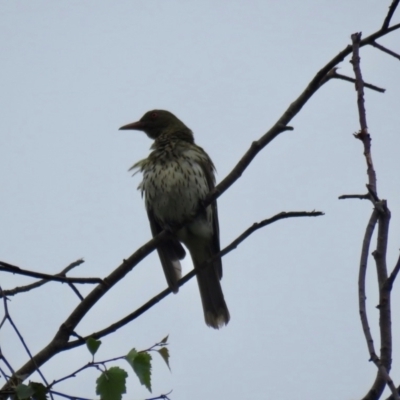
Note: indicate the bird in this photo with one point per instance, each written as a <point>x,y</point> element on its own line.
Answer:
<point>177,176</point>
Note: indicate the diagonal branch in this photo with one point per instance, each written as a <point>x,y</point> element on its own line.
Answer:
<point>7,317</point>
<point>319,79</point>
<point>393,275</point>
<point>390,13</point>
<point>385,50</point>
<point>152,302</point>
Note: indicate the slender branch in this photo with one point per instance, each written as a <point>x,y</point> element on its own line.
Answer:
<point>381,211</point>
<point>161,396</point>
<point>3,373</point>
<point>385,323</point>
<point>6,362</point>
<point>390,13</point>
<point>389,282</point>
<point>75,290</point>
<point>68,396</point>
<point>363,134</point>
<point>58,278</point>
<point>335,75</point>
<point>156,299</point>
<point>361,281</point>
<point>20,337</point>
<point>259,225</point>
<point>386,50</point>
<point>26,288</point>
<point>92,364</point>
<point>354,196</point>
<point>384,294</point>
<point>356,38</point>
<point>383,376</point>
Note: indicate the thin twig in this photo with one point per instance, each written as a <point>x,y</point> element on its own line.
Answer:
<point>361,281</point>
<point>6,376</point>
<point>389,282</point>
<point>57,278</point>
<point>354,196</point>
<point>386,50</point>
<point>20,337</point>
<point>161,396</point>
<point>384,377</point>
<point>356,38</point>
<point>363,134</point>
<point>26,288</point>
<point>6,362</point>
<point>68,396</point>
<point>335,75</point>
<point>75,290</point>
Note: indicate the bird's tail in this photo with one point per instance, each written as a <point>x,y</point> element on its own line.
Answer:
<point>216,312</point>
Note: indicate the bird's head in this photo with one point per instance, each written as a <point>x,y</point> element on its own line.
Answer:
<point>156,122</point>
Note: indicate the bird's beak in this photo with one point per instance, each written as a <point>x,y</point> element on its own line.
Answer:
<point>137,126</point>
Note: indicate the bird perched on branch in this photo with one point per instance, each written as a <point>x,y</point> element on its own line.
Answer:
<point>177,175</point>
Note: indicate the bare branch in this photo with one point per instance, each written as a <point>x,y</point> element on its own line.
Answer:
<point>354,196</point>
<point>233,245</point>
<point>384,295</point>
<point>26,288</point>
<point>385,50</point>
<point>316,83</point>
<point>75,290</point>
<point>68,396</point>
<point>389,282</point>
<point>335,75</point>
<point>57,278</point>
<point>363,134</point>
<point>352,80</point>
<point>7,316</point>
<point>383,376</point>
<point>361,281</point>
<point>382,214</point>
<point>7,364</point>
<point>356,38</point>
<point>390,13</point>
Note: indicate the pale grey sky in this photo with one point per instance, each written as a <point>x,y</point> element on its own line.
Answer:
<point>73,72</point>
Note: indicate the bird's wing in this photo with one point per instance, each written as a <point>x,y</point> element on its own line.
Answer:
<point>208,170</point>
<point>170,252</point>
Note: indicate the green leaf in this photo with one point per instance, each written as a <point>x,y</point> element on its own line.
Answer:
<point>131,356</point>
<point>164,341</point>
<point>111,384</point>
<point>93,345</point>
<point>141,364</point>
<point>39,390</point>
<point>23,391</point>
<point>164,353</point>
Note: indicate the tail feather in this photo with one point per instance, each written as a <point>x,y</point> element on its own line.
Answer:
<point>216,312</point>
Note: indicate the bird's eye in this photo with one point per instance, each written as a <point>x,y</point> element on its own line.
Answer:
<point>153,115</point>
